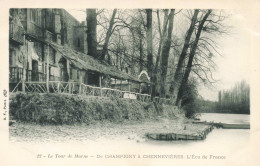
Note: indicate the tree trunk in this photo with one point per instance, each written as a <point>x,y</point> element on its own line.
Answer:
<point>92,42</point>
<point>165,53</point>
<point>108,34</point>
<point>149,38</point>
<point>92,32</point>
<point>177,76</point>
<point>141,51</point>
<point>162,36</point>
<point>192,54</point>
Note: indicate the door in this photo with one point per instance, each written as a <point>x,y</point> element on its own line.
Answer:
<point>35,76</point>
<point>63,69</point>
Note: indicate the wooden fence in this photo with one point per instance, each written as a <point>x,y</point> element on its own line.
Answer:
<point>88,90</point>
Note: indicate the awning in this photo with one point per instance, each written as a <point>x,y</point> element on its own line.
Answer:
<point>87,62</point>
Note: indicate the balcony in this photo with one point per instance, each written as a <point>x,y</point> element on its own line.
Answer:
<point>49,36</point>
<point>34,30</point>
<point>35,76</point>
<point>16,33</point>
<point>15,74</point>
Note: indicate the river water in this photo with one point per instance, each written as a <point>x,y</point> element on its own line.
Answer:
<point>226,118</point>
<point>221,147</point>
<point>220,143</point>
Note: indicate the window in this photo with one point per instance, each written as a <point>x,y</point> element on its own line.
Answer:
<point>78,73</point>
<point>78,42</point>
<point>33,15</point>
<point>52,56</point>
<point>36,16</point>
<point>38,47</point>
<point>49,19</point>
<point>12,56</point>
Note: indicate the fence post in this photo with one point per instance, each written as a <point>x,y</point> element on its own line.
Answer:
<point>47,72</point>
<point>129,86</point>
<point>80,80</point>
<point>140,87</point>
<point>100,84</point>
<point>23,85</point>
<point>24,67</point>
<point>69,87</point>
<point>79,88</point>
<point>59,87</point>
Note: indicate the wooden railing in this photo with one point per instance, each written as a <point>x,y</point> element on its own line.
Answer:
<point>163,100</point>
<point>16,88</point>
<point>108,92</point>
<point>15,74</point>
<point>39,87</point>
<point>87,90</point>
<point>63,87</point>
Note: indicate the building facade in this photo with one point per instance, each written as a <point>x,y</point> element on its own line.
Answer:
<point>30,30</point>
<point>50,45</point>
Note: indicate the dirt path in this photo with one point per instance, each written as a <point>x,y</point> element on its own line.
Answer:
<point>133,130</point>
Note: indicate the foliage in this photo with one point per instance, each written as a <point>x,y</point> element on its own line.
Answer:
<point>235,100</point>
<point>191,110</point>
<point>69,109</point>
<point>206,106</point>
<point>190,95</point>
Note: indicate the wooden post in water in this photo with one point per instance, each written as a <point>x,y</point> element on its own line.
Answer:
<point>120,84</point>
<point>47,70</point>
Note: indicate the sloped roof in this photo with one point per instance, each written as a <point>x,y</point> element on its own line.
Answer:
<point>87,62</point>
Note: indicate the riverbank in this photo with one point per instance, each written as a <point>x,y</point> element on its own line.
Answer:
<point>127,130</point>
<point>45,117</point>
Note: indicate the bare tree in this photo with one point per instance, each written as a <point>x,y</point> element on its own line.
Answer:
<point>108,34</point>
<point>162,34</point>
<point>191,56</point>
<point>178,76</point>
<point>149,38</point>
<point>165,53</point>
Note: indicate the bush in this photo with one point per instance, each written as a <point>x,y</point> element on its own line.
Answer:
<point>68,109</point>
<point>189,99</point>
<point>191,110</point>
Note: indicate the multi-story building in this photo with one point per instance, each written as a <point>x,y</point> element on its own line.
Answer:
<point>50,45</point>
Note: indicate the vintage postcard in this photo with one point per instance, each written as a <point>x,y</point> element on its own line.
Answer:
<point>130,83</point>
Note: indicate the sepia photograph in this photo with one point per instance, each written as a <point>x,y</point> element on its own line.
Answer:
<point>128,86</point>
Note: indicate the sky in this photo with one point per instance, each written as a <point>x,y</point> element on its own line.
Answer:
<point>232,67</point>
